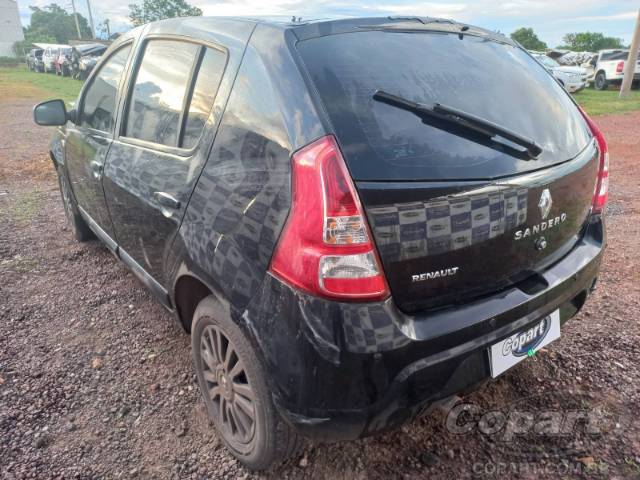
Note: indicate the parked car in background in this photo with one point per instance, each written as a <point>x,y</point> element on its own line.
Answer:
<point>34,59</point>
<point>348,237</point>
<point>63,62</point>
<point>572,78</point>
<point>84,58</point>
<point>48,59</point>
<point>607,68</point>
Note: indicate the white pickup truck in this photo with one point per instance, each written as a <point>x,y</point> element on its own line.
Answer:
<point>607,68</point>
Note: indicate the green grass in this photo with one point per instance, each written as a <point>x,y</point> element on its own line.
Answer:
<point>601,103</point>
<point>18,82</point>
<point>26,207</point>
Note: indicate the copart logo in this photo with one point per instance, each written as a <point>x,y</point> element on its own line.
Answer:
<point>526,341</point>
<point>559,414</point>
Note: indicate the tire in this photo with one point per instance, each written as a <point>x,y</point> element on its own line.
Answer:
<point>600,82</point>
<point>269,440</point>
<point>81,230</point>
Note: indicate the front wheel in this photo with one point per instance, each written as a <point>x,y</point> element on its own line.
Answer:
<point>600,82</point>
<point>238,400</point>
<point>81,230</point>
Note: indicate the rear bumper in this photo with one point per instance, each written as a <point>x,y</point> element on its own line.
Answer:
<point>344,371</point>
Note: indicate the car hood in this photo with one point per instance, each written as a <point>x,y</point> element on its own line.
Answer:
<point>570,69</point>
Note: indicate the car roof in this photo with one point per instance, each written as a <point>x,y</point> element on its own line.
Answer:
<point>309,27</point>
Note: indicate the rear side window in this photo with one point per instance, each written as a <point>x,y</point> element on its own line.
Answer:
<point>173,93</point>
<point>159,91</point>
<point>99,103</point>
<point>493,80</point>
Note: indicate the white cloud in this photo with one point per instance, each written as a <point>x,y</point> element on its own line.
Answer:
<point>553,18</point>
<point>606,18</point>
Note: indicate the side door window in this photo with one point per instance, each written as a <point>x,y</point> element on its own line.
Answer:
<point>99,102</point>
<point>159,92</point>
<point>173,93</point>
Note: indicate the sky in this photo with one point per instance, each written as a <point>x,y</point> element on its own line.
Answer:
<point>550,19</point>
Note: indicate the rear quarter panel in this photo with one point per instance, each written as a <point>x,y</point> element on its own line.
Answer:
<point>241,201</point>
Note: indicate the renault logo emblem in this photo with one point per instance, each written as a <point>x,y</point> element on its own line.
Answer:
<point>545,203</point>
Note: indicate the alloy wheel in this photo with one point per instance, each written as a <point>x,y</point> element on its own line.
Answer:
<point>231,397</point>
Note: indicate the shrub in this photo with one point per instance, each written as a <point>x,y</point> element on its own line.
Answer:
<point>10,61</point>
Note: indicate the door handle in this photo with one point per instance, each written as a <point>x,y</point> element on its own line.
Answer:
<point>167,200</point>
<point>96,169</point>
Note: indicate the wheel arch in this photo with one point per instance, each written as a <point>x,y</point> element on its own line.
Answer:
<point>188,292</point>
<point>54,160</point>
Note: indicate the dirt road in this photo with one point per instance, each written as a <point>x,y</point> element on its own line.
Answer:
<point>96,379</point>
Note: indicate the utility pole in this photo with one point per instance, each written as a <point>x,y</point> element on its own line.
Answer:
<point>93,30</point>
<point>106,24</point>
<point>632,60</point>
<point>75,16</point>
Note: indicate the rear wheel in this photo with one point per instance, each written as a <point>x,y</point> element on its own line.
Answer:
<point>600,82</point>
<point>81,230</point>
<point>233,386</point>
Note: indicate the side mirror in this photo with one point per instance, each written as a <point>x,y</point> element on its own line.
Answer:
<point>50,113</point>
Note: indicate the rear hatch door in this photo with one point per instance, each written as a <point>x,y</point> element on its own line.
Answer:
<point>455,217</point>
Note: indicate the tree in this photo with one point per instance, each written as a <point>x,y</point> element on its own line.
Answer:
<point>528,39</point>
<point>152,10</point>
<point>53,24</point>
<point>590,42</point>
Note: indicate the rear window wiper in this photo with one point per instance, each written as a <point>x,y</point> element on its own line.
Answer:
<point>459,118</point>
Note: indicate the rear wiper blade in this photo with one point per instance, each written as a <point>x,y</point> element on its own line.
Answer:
<point>459,118</point>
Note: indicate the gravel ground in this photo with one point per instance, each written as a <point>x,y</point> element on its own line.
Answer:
<point>96,379</point>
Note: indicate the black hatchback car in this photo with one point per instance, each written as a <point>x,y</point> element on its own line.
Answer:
<point>352,218</point>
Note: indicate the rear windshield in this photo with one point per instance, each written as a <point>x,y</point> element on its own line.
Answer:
<point>609,56</point>
<point>495,81</point>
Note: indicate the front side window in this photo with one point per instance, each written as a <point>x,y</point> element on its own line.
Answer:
<point>173,93</point>
<point>99,105</point>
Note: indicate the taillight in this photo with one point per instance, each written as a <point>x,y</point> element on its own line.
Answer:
<point>601,191</point>
<point>326,248</point>
<point>620,67</point>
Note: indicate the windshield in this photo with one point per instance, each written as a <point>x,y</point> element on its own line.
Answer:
<point>381,142</point>
<point>549,62</point>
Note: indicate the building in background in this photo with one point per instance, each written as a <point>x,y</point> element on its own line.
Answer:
<point>10,27</point>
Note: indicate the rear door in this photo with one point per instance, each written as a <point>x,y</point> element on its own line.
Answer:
<point>455,215</point>
<point>89,140</point>
<point>163,144</point>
